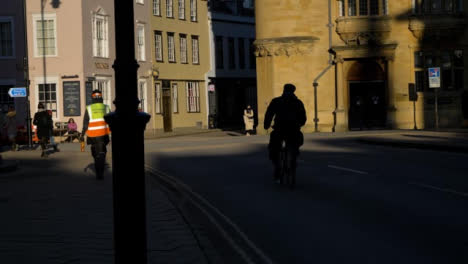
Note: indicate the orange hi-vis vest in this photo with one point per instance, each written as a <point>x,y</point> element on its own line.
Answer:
<point>97,126</point>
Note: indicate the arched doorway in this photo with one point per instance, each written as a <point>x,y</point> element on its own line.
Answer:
<point>367,96</point>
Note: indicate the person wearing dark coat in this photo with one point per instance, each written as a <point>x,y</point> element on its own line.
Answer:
<point>43,121</point>
<point>290,115</point>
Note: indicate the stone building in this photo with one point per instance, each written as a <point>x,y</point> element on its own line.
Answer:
<point>180,55</point>
<point>232,82</point>
<point>12,54</point>
<point>362,55</point>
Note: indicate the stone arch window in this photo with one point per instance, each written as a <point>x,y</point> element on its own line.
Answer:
<point>436,6</point>
<point>362,7</point>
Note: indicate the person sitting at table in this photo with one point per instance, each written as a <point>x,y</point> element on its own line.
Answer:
<point>72,130</point>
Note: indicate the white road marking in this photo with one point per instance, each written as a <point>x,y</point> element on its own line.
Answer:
<point>447,190</point>
<point>224,233</point>
<point>346,169</point>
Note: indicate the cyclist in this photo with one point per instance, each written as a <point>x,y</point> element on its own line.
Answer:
<point>290,115</point>
<point>97,131</point>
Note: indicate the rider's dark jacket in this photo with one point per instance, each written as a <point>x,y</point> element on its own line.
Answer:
<point>288,111</point>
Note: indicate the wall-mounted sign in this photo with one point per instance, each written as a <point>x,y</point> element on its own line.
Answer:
<point>69,76</point>
<point>17,92</point>
<point>71,98</point>
<point>88,92</point>
<point>101,65</point>
<point>434,77</point>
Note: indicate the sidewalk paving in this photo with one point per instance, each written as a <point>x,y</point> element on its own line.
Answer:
<point>55,211</point>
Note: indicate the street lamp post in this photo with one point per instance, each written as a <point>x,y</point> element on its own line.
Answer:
<point>26,77</point>
<point>127,125</point>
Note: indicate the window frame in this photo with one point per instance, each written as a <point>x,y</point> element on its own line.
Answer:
<point>142,94</point>
<point>219,52</point>
<point>36,18</point>
<point>141,49</point>
<point>105,41</point>
<point>170,11</point>
<point>50,80</point>
<point>193,10</point>
<point>171,52</point>
<point>157,8</point>
<point>231,53</point>
<point>183,49</point>
<point>195,49</point>
<point>193,97</point>
<point>175,97</point>
<point>9,19</point>
<point>241,51</point>
<point>181,15</point>
<point>161,46</point>
<point>157,98</point>
<point>107,92</point>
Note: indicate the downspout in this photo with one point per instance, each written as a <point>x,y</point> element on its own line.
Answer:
<point>330,64</point>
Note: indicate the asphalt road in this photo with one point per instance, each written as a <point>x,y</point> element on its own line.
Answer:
<point>353,203</point>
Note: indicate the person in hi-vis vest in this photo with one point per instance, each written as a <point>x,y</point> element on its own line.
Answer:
<point>96,129</point>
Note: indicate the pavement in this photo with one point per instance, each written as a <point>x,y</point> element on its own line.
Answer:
<point>55,211</point>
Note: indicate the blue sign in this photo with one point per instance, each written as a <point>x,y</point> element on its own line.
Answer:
<point>17,92</point>
<point>434,77</point>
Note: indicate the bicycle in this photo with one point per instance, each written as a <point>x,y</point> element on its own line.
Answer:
<point>287,165</point>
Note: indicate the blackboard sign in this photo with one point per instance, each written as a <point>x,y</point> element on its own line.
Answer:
<point>89,91</point>
<point>71,99</point>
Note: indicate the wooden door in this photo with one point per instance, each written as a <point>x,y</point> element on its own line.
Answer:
<point>167,110</point>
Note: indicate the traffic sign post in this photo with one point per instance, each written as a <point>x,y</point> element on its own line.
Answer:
<point>434,82</point>
<point>17,92</point>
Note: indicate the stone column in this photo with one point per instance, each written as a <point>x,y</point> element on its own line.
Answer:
<point>341,111</point>
<point>391,109</point>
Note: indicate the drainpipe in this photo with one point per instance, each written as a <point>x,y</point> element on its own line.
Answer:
<point>331,63</point>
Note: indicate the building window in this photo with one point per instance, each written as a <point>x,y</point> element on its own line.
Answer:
<point>365,8</point>
<point>6,37</point>
<point>241,53</point>
<point>451,67</point>
<point>193,10</point>
<point>193,97</point>
<point>141,52</point>
<point>100,37</point>
<point>48,97</point>
<point>175,98</point>
<point>341,8</point>
<point>351,7</point>
<point>436,6</point>
<point>142,91</point>
<point>252,63</point>
<point>103,85</point>
<point>169,8</point>
<point>45,35</point>
<point>219,49</point>
<point>232,54</point>
<point>183,48</point>
<point>157,7</point>
<point>195,51</point>
<point>158,45</point>
<point>182,9</point>
<point>157,98</point>
<point>171,57</point>
<point>140,2</point>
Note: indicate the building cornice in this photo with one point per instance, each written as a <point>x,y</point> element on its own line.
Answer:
<point>285,46</point>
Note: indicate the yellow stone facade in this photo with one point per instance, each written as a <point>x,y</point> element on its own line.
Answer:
<point>179,86</point>
<point>364,50</point>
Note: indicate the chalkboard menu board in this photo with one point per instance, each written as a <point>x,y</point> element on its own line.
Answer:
<point>89,92</point>
<point>71,99</point>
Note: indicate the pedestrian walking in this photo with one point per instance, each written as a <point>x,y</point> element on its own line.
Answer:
<point>97,131</point>
<point>10,126</point>
<point>52,138</point>
<point>248,120</point>
<point>44,124</point>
